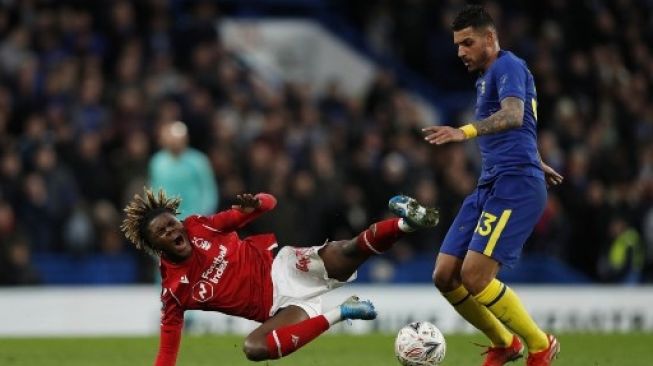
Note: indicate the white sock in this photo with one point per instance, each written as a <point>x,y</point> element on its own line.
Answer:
<point>333,316</point>
<point>403,226</point>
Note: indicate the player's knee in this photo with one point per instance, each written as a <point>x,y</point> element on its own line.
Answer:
<point>474,281</point>
<point>435,277</point>
<point>445,281</point>
<point>255,350</point>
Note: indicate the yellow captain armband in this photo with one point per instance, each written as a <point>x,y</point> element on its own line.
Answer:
<point>469,130</point>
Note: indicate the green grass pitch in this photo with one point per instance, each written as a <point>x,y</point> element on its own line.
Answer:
<point>632,349</point>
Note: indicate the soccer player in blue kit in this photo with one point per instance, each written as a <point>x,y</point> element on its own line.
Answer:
<point>495,220</point>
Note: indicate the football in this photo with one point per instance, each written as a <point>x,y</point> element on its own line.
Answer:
<point>420,344</point>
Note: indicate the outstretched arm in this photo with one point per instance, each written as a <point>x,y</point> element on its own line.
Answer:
<point>249,208</point>
<point>172,322</point>
<point>168,346</point>
<point>511,115</point>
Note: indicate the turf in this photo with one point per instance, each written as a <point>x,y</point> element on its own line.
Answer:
<point>631,349</point>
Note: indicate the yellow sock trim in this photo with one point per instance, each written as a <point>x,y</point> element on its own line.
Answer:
<point>493,290</point>
<point>456,296</point>
<point>479,316</point>
<point>504,303</point>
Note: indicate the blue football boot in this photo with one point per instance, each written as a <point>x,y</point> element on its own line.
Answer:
<point>354,308</point>
<point>415,215</point>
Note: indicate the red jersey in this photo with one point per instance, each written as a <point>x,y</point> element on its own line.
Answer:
<point>223,273</point>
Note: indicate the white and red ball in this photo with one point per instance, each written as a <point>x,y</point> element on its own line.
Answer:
<point>420,344</point>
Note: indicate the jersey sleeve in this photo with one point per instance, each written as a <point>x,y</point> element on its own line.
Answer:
<point>232,219</point>
<point>172,322</point>
<point>510,79</point>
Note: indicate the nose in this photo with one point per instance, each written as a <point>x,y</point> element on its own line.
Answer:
<point>461,52</point>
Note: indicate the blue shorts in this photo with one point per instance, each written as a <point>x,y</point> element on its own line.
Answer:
<point>497,218</point>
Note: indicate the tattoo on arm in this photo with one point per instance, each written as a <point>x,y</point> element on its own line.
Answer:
<point>511,115</point>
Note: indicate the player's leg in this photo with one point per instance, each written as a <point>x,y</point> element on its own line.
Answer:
<point>256,346</point>
<point>291,328</point>
<point>508,218</point>
<point>299,277</point>
<point>447,280</point>
<point>342,258</point>
<point>447,274</point>
<point>479,276</point>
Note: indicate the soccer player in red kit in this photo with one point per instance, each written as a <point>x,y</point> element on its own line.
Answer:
<point>205,265</point>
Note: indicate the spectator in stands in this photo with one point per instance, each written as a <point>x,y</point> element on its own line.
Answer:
<point>34,210</point>
<point>623,259</point>
<point>181,170</point>
<point>92,169</point>
<point>16,268</point>
<point>130,164</point>
<point>8,224</point>
<point>11,169</point>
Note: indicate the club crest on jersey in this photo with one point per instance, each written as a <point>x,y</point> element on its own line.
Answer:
<point>201,243</point>
<point>202,291</point>
<point>303,258</point>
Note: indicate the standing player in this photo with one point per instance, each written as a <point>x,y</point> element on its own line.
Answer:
<point>498,216</point>
<point>205,265</point>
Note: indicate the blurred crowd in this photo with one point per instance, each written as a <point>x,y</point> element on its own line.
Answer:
<point>90,91</point>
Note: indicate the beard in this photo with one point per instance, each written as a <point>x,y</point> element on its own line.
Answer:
<point>478,63</point>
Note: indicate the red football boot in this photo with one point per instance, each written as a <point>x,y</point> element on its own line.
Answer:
<point>545,357</point>
<point>499,356</point>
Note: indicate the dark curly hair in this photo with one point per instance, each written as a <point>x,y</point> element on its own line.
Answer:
<point>140,211</point>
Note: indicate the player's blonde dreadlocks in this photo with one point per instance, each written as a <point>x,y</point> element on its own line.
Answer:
<point>141,210</point>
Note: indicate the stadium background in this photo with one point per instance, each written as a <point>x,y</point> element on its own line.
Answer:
<point>85,87</point>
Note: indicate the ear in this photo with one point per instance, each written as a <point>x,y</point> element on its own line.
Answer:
<point>491,36</point>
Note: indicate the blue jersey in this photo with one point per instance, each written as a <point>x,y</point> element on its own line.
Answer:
<point>511,152</point>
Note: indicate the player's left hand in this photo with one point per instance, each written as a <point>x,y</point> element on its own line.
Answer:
<point>442,134</point>
<point>552,177</point>
<point>247,202</point>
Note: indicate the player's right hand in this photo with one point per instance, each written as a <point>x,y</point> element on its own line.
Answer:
<point>247,202</point>
<point>442,134</point>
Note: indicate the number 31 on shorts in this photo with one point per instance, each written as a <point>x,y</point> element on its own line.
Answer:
<point>489,224</point>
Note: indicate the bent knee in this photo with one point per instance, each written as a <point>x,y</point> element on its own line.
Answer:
<point>475,281</point>
<point>445,281</point>
<point>255,350</point>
